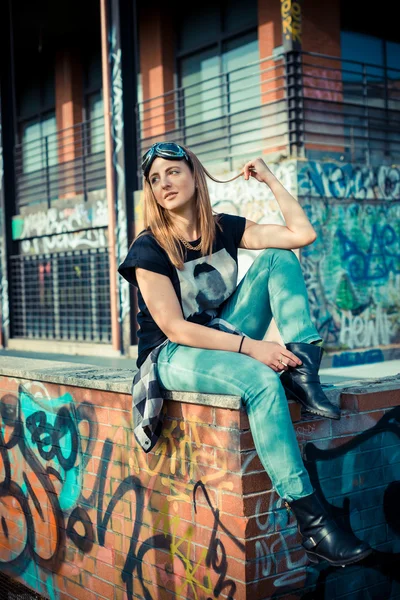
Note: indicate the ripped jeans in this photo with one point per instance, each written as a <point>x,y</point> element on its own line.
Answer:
<point>272,287</point>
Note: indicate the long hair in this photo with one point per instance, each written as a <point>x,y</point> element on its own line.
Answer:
<point>158,219</point>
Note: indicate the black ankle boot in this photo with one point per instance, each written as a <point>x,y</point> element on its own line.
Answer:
<point>303,384</point>
<point>322,537</point>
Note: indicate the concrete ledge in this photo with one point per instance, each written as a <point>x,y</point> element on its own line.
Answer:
<point>120,381</point>
<point>74,348</point>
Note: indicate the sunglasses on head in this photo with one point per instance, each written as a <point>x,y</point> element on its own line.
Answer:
<point>168,150</point>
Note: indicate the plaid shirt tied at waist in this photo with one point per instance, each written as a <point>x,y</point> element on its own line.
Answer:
<point>147,400</point>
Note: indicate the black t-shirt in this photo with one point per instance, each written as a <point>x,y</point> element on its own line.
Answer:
<point>201,287</point>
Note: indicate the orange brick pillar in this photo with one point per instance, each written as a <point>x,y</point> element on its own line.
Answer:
<point>156,40</point>
<point>322,77</point>
<point>272,75</point>
<point>69,105</point>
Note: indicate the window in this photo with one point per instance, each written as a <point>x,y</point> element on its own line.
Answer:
<point>393,62</point>
<point>220,81</point>
<point>96,122</point>
<point>202,26</point>
<point>35,95</point>
<point>371,75</point>
<point>94,102</point>
<point>375,60</point>
<point>39,143</point>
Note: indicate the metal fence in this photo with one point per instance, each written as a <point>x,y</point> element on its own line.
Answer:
<point>297,104</point>
<point>70,161</point>
<point>64,296</point>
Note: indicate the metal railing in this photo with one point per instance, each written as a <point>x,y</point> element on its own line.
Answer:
<point>224,118</point>
<point>351,110</point>
<point>63,296</point>
<point>68,162</point>
<point>292,104</point>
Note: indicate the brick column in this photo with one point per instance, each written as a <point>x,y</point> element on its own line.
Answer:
<point>322,78</point>
<point>156,39</point>
<point>69,105</point>
<point>272,74</point>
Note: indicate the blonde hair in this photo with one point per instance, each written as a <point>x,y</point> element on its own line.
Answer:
<point>158,219</point>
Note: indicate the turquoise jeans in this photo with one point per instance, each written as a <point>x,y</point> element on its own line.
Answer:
<point>272,287</point>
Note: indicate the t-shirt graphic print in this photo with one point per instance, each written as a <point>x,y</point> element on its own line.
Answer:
<point>201,286</point>
<point>206,283</point>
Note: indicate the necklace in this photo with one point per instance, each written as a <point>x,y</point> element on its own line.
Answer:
<point>188,245</point>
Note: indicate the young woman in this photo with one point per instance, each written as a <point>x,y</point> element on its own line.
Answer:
<point>199,331</point>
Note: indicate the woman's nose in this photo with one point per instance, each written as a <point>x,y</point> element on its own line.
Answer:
<point>165,183</point>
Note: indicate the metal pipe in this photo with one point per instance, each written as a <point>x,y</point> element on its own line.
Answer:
<point>110,181</point>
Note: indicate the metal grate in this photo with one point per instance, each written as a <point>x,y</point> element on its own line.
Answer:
<point>64,296</point>
<point>14,590</point>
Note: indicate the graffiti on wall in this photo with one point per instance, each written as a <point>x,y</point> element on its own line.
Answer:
<point>252,199</point>
<point>59,221</point>
<point>291,24</point>
<point>353,269</point>
<point>117,131</point>
<point>348,181</point>
<point>74,501</point>
<point>76,240</point>
<point>352,272</point>
<point>67,481</point>
<point>359,482</point>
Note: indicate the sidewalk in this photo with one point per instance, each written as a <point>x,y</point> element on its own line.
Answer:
<point>333,376</point>
<point>387,368</point>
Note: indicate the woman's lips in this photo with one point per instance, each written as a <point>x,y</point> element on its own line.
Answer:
<point>170,195</point>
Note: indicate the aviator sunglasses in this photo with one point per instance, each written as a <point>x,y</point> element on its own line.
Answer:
<point>168,150</point>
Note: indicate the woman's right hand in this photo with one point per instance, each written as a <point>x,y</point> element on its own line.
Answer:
<point>275,356</point>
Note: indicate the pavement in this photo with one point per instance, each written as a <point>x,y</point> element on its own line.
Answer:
<point>388,368</point>
<point>328,376</point>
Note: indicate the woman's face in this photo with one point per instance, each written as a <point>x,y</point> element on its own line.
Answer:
<point>172,183</point>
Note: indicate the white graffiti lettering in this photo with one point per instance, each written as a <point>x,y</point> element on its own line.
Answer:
<point>88,238</point>
<point>117,132</point>
<point>348,181</point>
<point>365,330</point>
<point>56,221</point>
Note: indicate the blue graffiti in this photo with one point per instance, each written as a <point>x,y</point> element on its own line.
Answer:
<point>348,359</point>
<point>381,258</point>
<point>359,482</point>
<point>330,180</point>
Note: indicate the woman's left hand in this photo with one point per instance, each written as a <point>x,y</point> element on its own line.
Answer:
<point>258,169</point>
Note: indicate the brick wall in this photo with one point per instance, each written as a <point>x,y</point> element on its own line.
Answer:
<point>86,515</point>
<point>157,42</point>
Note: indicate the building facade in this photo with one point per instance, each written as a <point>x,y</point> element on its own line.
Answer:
<point>312,88</point>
